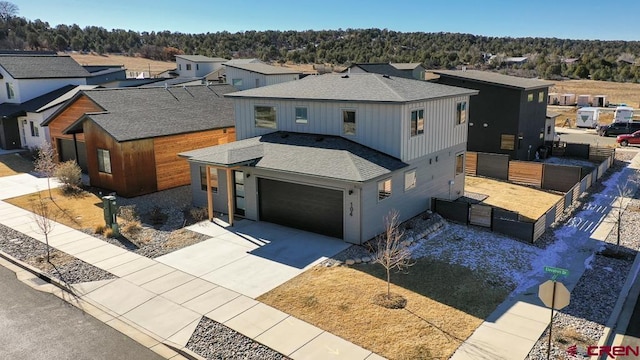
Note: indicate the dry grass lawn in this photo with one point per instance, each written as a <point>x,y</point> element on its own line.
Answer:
<point>130,63</point>
<point>79,212</point>
<point>627,93</point>
<point>445,304</point>
<point>13,164</point>
<point>530,203</point>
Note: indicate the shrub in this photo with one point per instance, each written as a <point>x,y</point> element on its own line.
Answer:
<point>99,229</point>
<point>199,214</point>
<point>70,175</point>
<point>108,233</point>
<point>128,213</point>
<point>131,227</point>
<point>158,217</point>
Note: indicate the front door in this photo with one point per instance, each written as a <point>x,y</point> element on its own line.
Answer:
<point>238,187</point>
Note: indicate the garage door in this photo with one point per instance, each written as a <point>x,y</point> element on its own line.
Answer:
<point>68,152</point>
<point>304,207</point>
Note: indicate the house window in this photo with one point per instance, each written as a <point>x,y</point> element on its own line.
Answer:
<point>541,97</point>
<point>301,115</point>
<point>409,180</point>
<point>548,129</point>
<point>10,92</point>
<point>35,132</point>
<point>461,112</point>
<point>530,97</point>
<point>417,122</point>
<point>236,82</point>
<point>104,161</point>
<point>257,83</point>
<point>188,66</point>
<point>213,178</point>
<point>348,122</point>
<point>265,117</point>
<point>179,66</point>
<point>507,142</point>
<point>197,66</point>
<point>459,163</point>
<point>384,189</point>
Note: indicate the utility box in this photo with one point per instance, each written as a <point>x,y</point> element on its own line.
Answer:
<point>110,208</point>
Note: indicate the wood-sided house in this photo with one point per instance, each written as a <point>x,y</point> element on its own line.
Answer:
<point>131,137</point>
<point>333,154</point>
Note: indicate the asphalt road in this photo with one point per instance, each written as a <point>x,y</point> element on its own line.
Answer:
<point>37,325</point>
<point>584,136</point>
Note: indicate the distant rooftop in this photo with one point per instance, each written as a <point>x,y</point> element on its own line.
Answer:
<point>495,78</point>
<point>405,66</point>
<point>261,68</point>
<point>201,58</point>
<point>42,66</point>
<point>381,68</point>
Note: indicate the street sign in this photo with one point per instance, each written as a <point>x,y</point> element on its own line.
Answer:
<point>556,271</point>
<point>554,294</point>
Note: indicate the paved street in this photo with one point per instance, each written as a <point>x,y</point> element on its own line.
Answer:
<point>584,136</point>
<point>37,325</point>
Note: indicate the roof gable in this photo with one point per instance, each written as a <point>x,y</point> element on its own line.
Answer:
<point>262,68</point>
<point>42,67</point>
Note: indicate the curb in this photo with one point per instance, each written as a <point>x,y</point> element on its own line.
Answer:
<point>37,272</point>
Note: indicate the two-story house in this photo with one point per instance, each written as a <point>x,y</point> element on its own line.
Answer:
<point>251,75</point>
<point>333,154</point>
<point>509,115</point>
<point>197,66</point>
<point>25,76</point>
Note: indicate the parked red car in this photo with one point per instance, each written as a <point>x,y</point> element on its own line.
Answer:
<point>627,139</point>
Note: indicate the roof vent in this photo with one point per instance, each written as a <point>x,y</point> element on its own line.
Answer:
<point>386,76</point>
<point>345,76</point>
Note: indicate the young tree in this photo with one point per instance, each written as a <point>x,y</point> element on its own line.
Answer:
<point>391,252</point>
<point>43,217</point>
<point>625,192</point>
<point>45,163</point>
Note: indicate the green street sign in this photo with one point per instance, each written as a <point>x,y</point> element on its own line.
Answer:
<point>556,271</point>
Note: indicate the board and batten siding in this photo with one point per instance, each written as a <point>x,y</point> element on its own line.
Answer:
<point>377,124</point>
<point>441,130</point>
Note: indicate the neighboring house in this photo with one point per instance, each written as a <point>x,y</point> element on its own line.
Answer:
<point>100,74</point>
<point>25,76</point>
<point>219,75</point>
<point>253,75</point>
<point>192,66</point>
<point>333,154</point>
<point>415,69</point>
<point>550,127</point>
<point>378,68</point>
<point>508,115</point>
<point>129,139</point>
<point>515,60</point>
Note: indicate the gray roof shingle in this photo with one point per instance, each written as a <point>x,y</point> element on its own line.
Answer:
<point>42,102</point>
<point>141,113</point>
<point>356,87</point>
<point>42,67</point>
<point>382,69</point>
<point>405,66</point>
<point>259,68</point>
<point>495,78</point>
<point>308,154</point>
<point>201,58</point>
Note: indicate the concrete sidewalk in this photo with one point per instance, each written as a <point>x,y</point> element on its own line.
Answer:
<point>512,330</point>
<point>168,304</point>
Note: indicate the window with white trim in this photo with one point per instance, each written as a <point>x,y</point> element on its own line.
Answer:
<point>349,122</point>
<point>236,82</point>
<point>265,117</point>
<point>417,122</point>
<point>461,112</point>
<point>384,189</point>
<point>301,115</point>
<point>35,132</point>
<point>11,94</point>
<point>409,180</point>
<point>104,161</point>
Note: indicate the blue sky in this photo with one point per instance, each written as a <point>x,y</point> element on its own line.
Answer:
<point>585,19</point>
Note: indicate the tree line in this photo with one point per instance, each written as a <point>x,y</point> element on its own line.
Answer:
<point>547,57</point>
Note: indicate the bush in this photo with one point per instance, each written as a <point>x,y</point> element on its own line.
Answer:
<point>128,213</point>
<point>70,175</point>
<point>99,229</point>
<point>108,233</point>
<point>131,227</point>
<point>157,216</point>
<point>199,214</point>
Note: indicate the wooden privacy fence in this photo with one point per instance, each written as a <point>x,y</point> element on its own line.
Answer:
<point>512,223</point>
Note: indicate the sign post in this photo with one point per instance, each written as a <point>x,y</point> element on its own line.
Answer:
<point>554,295</point>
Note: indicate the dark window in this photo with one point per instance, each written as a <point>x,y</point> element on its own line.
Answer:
<point>104,161</point>
<point>417,122</point>
<point>348,122</point>
<point>301,115</point>
<point>197,67</point>
<point>10,93</point>
<point>461,112</point>
<point>35,132</point>
<point>265,117</point>
<point>213,178</point>
<point>188,66</point>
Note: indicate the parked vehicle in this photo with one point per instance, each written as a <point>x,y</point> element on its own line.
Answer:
<point>627,139</point>
<point>619,128</point>
<point>587,117</point>
<point>623,114</point>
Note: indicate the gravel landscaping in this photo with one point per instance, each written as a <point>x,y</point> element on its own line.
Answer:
<point>213,340</point>
<point>67,268</point>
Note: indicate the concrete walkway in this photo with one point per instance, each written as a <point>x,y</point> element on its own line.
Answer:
<point>512,330</point>
<point>168,303</point>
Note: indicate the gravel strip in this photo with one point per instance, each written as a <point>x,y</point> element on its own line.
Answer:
<point>213,340</point>
<point>32,251</point>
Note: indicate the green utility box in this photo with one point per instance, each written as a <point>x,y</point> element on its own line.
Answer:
<point>110,208</point>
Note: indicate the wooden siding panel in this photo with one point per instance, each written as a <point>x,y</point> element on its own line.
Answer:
<point>171,170</point>
<point>526,172</point>
<point>68,116</point>
<point>471,164</point>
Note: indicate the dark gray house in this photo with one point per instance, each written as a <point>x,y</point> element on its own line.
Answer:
<point>333,154</point>
<point>508,114</point>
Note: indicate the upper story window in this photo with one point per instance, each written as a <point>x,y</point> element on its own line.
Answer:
<point>104,161</point>
<point>265,117</point>
<point>236,82</point>
<point>417,122</point>
<point>301,115</point>
<point>541,97</point>
<point>213,178</point>
<point>188,66</point>
<point>461,112</point>
<point>349,122</point>
<point>10,92</point>
<point>530,97</point>
<point>384,189</point>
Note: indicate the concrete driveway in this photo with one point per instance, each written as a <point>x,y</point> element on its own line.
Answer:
<point>252,257</point>
<point>22,184</point>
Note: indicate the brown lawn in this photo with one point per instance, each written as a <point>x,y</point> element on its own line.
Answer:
<point>445,304</point>
<point>83,211</point>
<point>627,93</point>
<point>13,164</point>
<point>530,203</point>
<point>130,63</point>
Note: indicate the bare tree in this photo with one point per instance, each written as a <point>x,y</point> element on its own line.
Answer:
<point>625,192</point>
<point>44,218</point>
<point>45,163</point>
<point>391,252</point>
<point>8,10</point>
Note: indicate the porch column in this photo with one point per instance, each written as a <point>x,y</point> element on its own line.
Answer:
<point>209,193</point>
<point>230,193</point>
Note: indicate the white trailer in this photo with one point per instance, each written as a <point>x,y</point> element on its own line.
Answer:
<point>584,100</point>
<point>587,117</point>
<point>623,114</point>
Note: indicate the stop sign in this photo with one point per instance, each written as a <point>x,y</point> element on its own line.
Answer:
<point>546,294</point>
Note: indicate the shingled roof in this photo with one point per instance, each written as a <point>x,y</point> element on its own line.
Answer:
<point>141,113</point>
<point>495,78</point>
<point>355,87</point>
<point>260,68</point>
<point>42,102</point>
<point>382,69</point>
<point>42,67</point>
<point>308,154</point>
<point>201,58</point>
